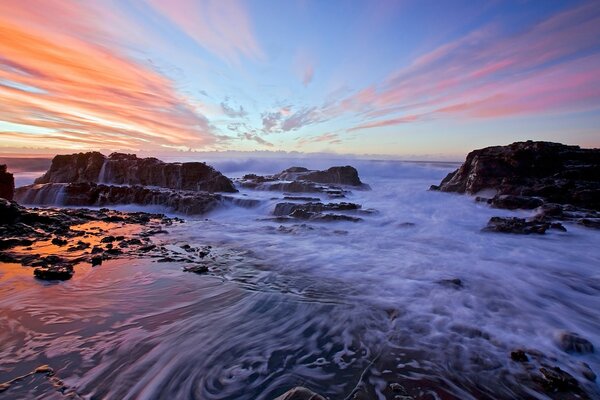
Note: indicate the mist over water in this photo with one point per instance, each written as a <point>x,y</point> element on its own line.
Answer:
<point>325,305</point>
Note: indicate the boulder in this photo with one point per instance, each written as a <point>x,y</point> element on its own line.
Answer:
<point>550,171</point>
<point>128,169</point>
<point>7,183</point>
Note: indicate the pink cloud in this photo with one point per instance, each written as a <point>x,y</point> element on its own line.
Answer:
<point>222,27</point>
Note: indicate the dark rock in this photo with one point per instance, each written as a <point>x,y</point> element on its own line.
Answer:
<point>300,393</point>
<point>61,273</point>
<point>511,202</point>
<point>108,239</point>
<point>520,226</point>
<point>587,372</point>
<point>454,283</point>
<point>289,208</point>
<point>519,356</point>
<point>551,171</point>
<point>128,169</point>
<point>59,242</point>
<point>555,380</point>
<point>316,216</point>
<point>198,269</point>
<point>99,195</point>
<point>7,183</point>
<point>573,343</point>
<point>299,179</point>
<point>96,260</point>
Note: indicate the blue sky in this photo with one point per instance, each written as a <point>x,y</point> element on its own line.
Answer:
<point>387,77</point>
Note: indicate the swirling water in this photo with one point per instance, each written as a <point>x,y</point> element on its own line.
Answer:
<point>332,306</point>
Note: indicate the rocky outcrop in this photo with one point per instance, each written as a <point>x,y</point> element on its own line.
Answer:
<point>345,175</point>
<point>289,208</point>
<point>128,169</point>
<point>302,180</point>
<point>7,183</point>
<point>100,195</point>
<point>521,225</point>
<point>553,172</point>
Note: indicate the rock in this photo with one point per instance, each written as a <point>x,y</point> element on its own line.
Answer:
<point>128,169</point>
<point>300,393</point>
<point>550,171</point>
<point>198,269</point>
<point>7,183</point>
<point>555,380</point>
<point>315,216</point>
<point>96,260</point>
<point>520,226</point>
<point>587,372</point>
<point>61,273</point>
<point>44,369</point>
<point>511,202</point>
<point>59,242</point>
<point>99,195</point>
<point>571,342</point>
<point>300,179</point>
<point>454,283</point>
<point>289,208</point>
<point>519,356</point>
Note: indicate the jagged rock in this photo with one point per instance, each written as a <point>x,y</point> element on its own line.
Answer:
<point>551,171</point>
<point>520,226</point>
<point>128,169</point>
<point>289,208</point>
<point>300,393</point>
<point>7,183</point>
<point>300,179</point>
<point>100,195</point>
<point>573,343</point>
<point>555,380</point>
<point>54,272</point>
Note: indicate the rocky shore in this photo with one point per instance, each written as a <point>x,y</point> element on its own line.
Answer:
<point>560,182</point>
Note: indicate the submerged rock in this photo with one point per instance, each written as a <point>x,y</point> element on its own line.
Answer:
<point>300,393</point>
<point>573,343</point>
<point>7,183</point>
<point>289,208</point>
<point>520,226</point>
<point>128,169</point>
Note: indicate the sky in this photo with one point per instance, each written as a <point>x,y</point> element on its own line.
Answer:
<point>422,78</point>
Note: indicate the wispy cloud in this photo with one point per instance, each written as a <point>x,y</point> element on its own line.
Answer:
<point>224,28</point>
<point>233,112</point>
<point>330,137</point>
<point>86,94</point>
<point>256,138</point>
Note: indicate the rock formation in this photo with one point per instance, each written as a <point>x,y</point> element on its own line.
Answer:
<point>128,169</point>
<point>7,183</point>
<point>302,180</point>
<point>553,172</point>
<point>100,195</point>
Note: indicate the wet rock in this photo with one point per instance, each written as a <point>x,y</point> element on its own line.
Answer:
<point>59,242</point>
<point>128,169</point>
<point>61,273</point>
<point>555,380</point>
<point>315,216</point>
<point>519,356</point>
<point>587,372</point>
<point>571,342</point>
<point>96,260</point>
<point>398,388</point>
<point>198,269</point>
<point>520,226</point>
<point>44,369</point>
<point>554,172</point>
<point>300,393</point>
<point>7,183</point>
<point>454,283</point>
<point>511,202</point>
<point>290,208</point>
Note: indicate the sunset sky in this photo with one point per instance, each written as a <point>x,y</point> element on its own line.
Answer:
<point>378,77</point>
